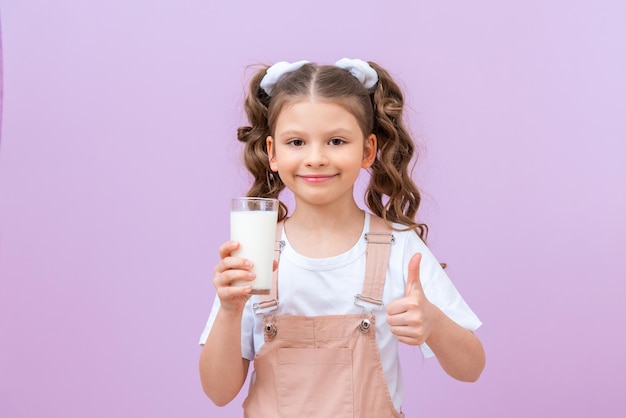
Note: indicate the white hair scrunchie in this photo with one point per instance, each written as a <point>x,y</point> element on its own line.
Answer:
<point>361,70</point>
<point>276,71</point>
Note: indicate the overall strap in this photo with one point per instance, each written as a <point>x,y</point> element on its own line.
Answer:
<point>379,240</point>
<point>270,301</point>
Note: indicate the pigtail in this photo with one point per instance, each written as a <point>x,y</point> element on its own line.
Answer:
<point>266,183</point>
<point>390,174</point>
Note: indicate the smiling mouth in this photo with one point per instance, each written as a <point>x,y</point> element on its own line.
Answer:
<point>317,178</point>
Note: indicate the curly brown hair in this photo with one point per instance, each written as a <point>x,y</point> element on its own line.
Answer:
<point>391,193</point>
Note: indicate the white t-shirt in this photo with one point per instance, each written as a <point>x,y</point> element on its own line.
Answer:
<point>327,286</point>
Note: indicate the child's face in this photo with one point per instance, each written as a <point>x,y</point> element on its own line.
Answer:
<point>318,149</point>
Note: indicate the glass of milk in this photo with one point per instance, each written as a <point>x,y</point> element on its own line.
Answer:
<point>253,224</point>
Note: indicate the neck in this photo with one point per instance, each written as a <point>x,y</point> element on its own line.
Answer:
<point>324,232</point>
<point>329,217</point>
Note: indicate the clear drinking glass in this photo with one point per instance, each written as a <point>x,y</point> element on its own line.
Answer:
<point>253,224</point>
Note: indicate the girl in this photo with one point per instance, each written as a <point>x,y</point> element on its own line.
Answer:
<point>350,284</point>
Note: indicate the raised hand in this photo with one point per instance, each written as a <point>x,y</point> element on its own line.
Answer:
<point>231,269</point>
<point>412,317</point>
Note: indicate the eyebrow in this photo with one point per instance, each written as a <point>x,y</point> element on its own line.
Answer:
<point>335,132</point>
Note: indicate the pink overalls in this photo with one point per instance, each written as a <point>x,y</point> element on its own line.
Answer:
<point>325,366</point>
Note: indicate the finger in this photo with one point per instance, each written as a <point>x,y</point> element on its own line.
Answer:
<point>229,276</point>
<point>231,263</point>
<point>227,248</point>
<point>410,340</point>
<point>231,292</point>
<point>407,335</point>
<point>413,283</point>
<point>397,307</point>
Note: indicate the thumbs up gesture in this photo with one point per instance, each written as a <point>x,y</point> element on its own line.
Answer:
<point>412,317</point>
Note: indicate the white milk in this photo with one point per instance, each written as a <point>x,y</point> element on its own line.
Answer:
<point>256,233</point>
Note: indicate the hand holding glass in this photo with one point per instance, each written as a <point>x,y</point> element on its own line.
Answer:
<point>253,224</point>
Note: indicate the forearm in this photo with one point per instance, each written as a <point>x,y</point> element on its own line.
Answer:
<point>458,350</point>
<point>222,369</point>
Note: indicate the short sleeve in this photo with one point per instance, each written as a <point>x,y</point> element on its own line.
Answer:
<point>439,289</point>
<point>247,328</point>
<point>210,321</point>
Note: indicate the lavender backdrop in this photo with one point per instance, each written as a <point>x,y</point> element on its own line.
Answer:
<point>118,157</point>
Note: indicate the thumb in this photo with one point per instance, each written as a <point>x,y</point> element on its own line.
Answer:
<point>413,283</point>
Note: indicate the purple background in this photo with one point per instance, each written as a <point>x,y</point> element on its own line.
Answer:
<point>118,157</point>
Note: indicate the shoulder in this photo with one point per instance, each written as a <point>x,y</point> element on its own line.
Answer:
<point>407,243</point>
<point>407,239</point>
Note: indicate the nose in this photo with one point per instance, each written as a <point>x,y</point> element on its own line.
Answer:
<point>316,156</point>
